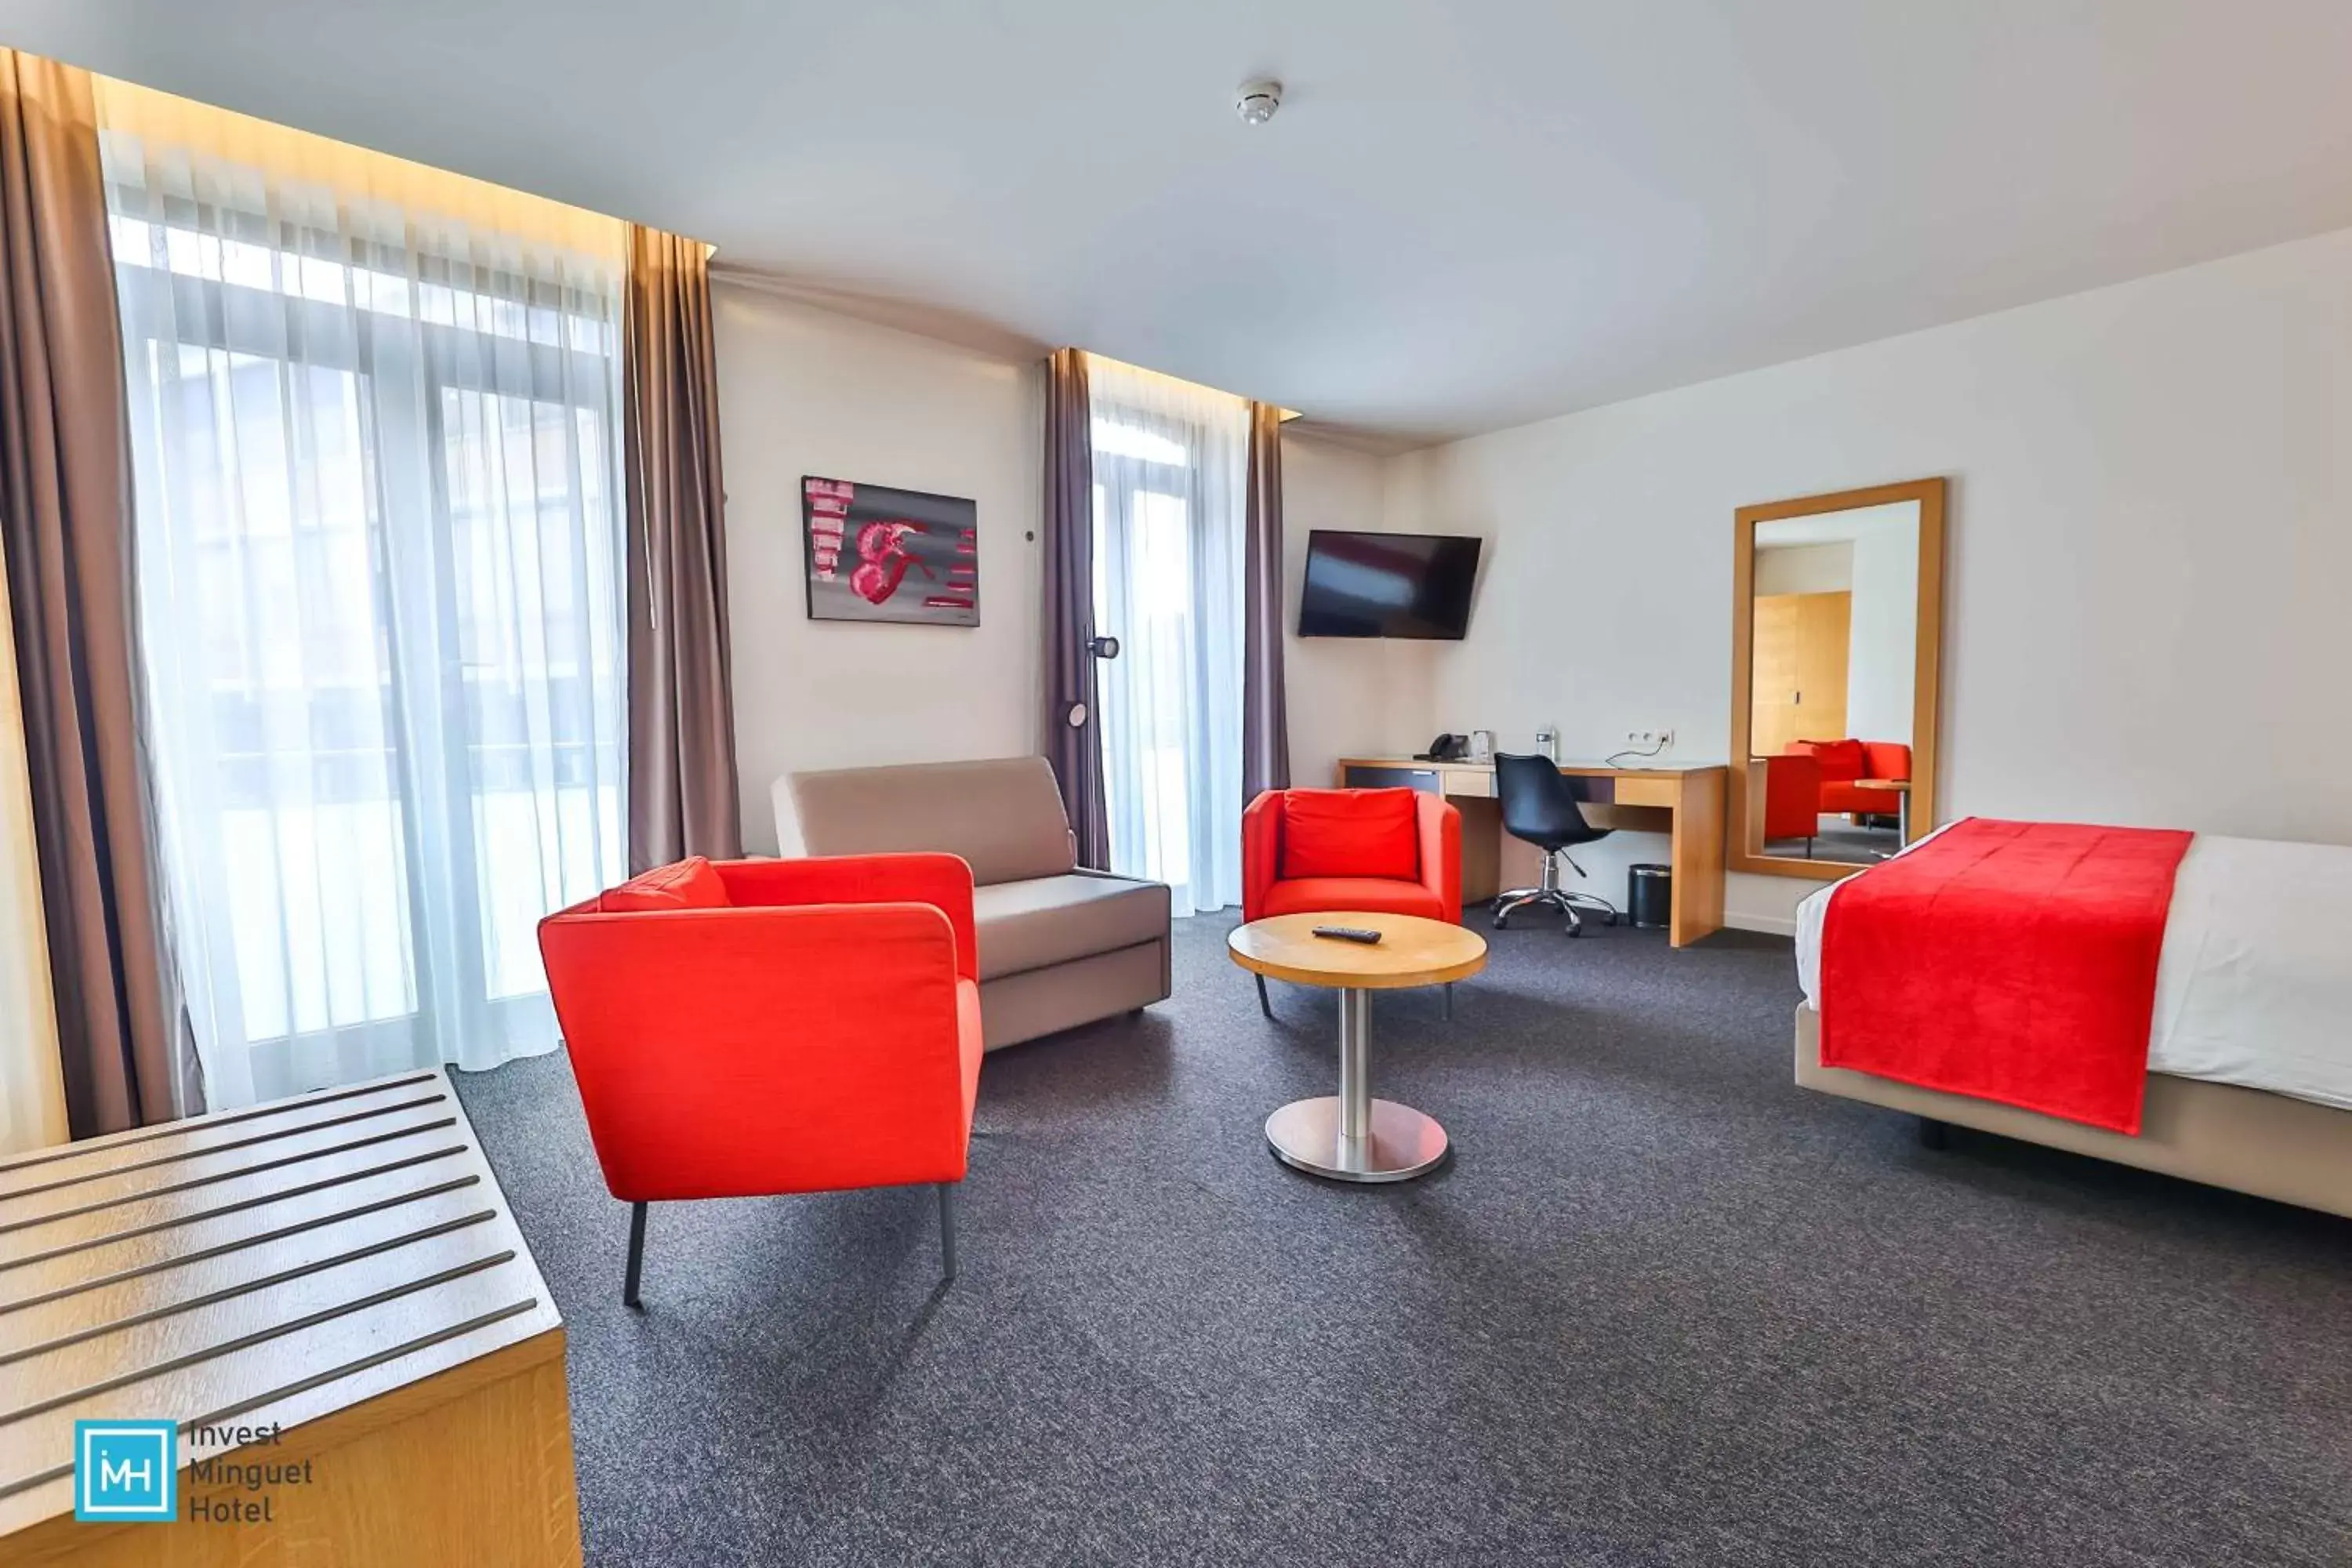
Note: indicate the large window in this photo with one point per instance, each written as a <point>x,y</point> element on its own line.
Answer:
<point>379,551</point>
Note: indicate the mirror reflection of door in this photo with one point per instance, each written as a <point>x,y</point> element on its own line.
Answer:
<point>1801,661</point>
<point>1831,621</point>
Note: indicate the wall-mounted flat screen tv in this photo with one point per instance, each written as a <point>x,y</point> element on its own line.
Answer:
<point>1388,584</point>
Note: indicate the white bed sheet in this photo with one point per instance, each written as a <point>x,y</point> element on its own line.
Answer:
<point>2254,987</point>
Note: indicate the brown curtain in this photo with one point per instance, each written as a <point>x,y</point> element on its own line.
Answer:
<point>65,524</point>
<point>1073,729</point>
<point>1265,723</point>
<point>682,784</point>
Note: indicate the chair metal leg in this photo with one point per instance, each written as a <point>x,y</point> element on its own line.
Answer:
<point>1592,904</point>
<point>947,1229</point>
<point>1264,1005</point>
<point>637,1254</point>
<point>1517,901</point>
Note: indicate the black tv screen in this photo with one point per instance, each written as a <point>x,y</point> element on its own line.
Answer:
<point>1388,584</point>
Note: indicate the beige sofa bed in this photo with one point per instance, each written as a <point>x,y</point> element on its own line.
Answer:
<point>2272,1145</point>
<point>1059,946</point>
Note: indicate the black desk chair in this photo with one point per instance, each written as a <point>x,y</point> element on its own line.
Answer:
<point>1540,806</point>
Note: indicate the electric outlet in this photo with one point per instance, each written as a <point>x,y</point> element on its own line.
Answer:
<point>1651,739</point>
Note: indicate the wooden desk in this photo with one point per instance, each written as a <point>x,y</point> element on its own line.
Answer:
<point>1684,802</point>
<point>341,1267</point>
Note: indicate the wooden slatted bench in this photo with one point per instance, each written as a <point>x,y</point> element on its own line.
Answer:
<point>339,1275</point>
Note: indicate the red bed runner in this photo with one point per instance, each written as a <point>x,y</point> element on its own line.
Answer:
<point>2009,960</point>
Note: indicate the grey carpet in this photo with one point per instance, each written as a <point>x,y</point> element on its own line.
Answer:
<point>1841,840</point>
<point>1663,1306</point>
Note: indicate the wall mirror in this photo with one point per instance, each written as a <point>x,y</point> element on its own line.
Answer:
<point>1837,615</point>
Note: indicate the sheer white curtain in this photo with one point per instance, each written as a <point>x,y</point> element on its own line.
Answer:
<point>1171,464</point>
<point>373,414</point>
<point>32,1086</point>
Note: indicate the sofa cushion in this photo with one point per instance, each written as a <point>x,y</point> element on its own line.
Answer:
<point>1350,833</point>
<point>687,884</point>
<point>1003,816</point>
<point>1840,760</point>
<point>1376,895</point>
<point>1885,760</point>
<point>1045,921</point>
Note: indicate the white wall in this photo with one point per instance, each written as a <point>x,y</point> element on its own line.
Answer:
<point>2148,556</point>
<point>1882,633</point>
<point>1804,568</point>
<point>1347,696</point>
<point>803,390</point>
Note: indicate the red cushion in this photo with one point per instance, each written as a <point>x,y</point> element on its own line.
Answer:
<point>689,884</point>
<point>1350,833</point>
<point>1837,797</point>
<point>1377,895</point>
<point>1885,760</point>
<point>1840,760</point>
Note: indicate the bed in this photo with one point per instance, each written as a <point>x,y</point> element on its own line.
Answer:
<point>2250,1052</point>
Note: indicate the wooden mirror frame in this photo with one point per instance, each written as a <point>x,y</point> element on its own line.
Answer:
<point>1926,687</point>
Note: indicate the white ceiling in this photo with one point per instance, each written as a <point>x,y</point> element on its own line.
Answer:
<point>1466,216</point>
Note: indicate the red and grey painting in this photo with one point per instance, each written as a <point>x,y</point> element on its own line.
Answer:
<point>876,553</point>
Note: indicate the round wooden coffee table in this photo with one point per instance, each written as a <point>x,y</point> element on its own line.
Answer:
<point>1350,1136</point>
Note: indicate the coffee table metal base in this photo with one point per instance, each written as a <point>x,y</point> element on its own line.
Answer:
<point>1350,1136</point>
<point>1403,1144</point>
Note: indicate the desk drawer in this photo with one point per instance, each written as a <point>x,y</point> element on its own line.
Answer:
<point>1425,780</point>
<point>1648,792</point>
<point>1470,781</point>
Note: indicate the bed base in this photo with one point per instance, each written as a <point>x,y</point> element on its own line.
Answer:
<point>2248,1141</point>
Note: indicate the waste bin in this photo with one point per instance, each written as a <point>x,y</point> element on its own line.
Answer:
<point>1649,896</point>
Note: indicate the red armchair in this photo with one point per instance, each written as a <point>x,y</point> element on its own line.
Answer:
<point>746,1027</point>
<point>1793,798</point>
<point>1388,851</point>
<point>1842,761</point>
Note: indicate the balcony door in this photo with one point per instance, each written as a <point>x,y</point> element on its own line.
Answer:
<point>1170,463</point>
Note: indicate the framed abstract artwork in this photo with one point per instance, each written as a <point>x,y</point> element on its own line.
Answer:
<point>880,555</point>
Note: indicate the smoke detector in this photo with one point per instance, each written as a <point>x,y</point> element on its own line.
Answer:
<point>1255,101</point>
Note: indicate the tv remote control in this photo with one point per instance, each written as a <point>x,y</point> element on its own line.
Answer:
<point>1350,933</point>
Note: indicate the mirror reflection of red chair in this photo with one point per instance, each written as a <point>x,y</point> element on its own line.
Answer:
<point>1384,851</point>
<point>1844,761</point>
<point>740,1029</point>
<point>1792,799</point>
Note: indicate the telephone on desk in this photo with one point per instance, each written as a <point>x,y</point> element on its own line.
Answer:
<point>1445,749</point>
